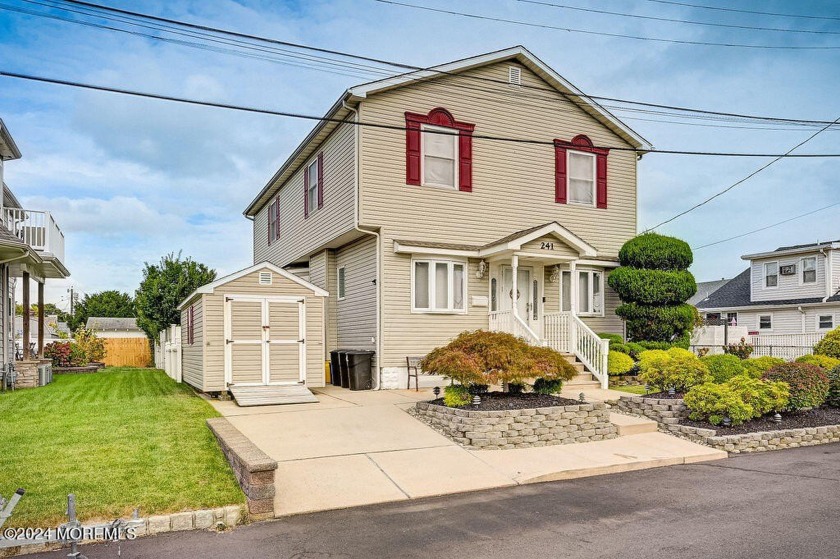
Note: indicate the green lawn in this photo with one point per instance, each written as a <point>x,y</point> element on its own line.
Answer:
<point>636,389</point>
<point>119,439</point>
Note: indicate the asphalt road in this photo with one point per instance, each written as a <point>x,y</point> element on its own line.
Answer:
<point>783,504</point>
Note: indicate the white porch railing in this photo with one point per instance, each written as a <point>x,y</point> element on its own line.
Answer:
<point>786,346</point>
<point>592,351</point>
<point>37,229</point>
<point>557,331</point>
<point>506,321</point>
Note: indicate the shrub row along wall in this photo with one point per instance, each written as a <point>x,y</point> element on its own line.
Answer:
<point>666,411</point>
<point>759,442</point>
<point>505,429</point>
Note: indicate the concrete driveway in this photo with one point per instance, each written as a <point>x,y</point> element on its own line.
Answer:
<point>359,448</point>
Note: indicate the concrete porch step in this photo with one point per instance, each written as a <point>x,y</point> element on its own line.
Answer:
<point>629,425</point>
<point>582,384</point>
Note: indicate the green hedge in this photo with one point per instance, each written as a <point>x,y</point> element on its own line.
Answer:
<point>808,384</point>
<point>829,345</point>
<point>613,338</point>
<point>658,324</point>
<point>656,252</point>
<point>652,287</point>
<point>833,399</point>
<point>723,367</point>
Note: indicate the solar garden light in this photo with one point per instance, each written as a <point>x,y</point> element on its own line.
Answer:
<point>777,417</point>
<point>436,390</point>
<point>672,391</point>
<point>647,388</point>
<point>476,401</point>
<point>727,422</point>
<point>582,397</point>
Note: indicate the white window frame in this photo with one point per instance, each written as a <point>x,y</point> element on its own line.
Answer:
<point>802,270</point>
<point>313,186</point>
<point>591,294</point>
<point>432,262</point>
<point>592,157</point>
<point>765,275</point>
<point>758,322</point>
<point>817,323</point>
<point>455,156</point>
<point>341,283</point>
<point>729,322</point>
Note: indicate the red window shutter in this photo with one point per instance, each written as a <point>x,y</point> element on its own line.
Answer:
<point>277,217</point>
<point>320,180</point>
<point>560,175</point>
<point>601,180</point>
<point>412,152</point>
<point>305,191</point>
<point>465,161</point>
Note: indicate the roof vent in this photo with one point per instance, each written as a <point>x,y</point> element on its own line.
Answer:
<point>514,75</point>
<point>265,278</point>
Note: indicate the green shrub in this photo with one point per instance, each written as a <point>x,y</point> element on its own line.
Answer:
<point>645,345</point>
<point>833,399</point>
<point>543,386</point>
<point>723,367</point>
<point>741,398</point>
<point>456,395</point>
<point>653,287</point>
<point>830,344</point>
<point>613,338</point>
<point>92,345</point>
<point>758,366</point>
<point>822,361</point>
<point>656,252</point>
<point>65,354</point>
<point>741,350</point>
<point>677,368</point>
<point>657,323</point>
<point>482,357</point>
<point>619,363</point>
<point>808,384</point>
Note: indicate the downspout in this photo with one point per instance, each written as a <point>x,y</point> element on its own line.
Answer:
<point>828,266</point>
<point>358,227</point>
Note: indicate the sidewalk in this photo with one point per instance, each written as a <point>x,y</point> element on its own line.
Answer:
<point>359,448</point>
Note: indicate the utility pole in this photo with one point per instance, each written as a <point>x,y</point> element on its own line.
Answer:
<point>72,301</point>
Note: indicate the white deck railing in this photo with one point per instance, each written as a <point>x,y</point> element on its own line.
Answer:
<point>786,346</point>
<point>557,331</point>
<point>592,351</point>
<point>37,229</point>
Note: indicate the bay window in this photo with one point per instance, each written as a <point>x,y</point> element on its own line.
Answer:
<point>439,286</point>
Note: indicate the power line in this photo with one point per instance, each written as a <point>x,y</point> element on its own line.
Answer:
<point>766,227</point>
<point>383,126</point>
<point>419,68</point>
<point>721,9</point>
<point>743,180</point>
<point>603,33</point>
<point>674,20</point>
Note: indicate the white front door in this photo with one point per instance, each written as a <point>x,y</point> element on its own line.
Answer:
<point>527,298</point>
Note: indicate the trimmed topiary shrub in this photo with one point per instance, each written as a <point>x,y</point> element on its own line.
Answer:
<point>656,252</point>
<point>657,323</point>
<point>543,386</point>
<point>613,338</point>
<point>758,366</point>
<point>808,384</point>
<point>723,367</point>
<point>822,361</point>
<point>619,363</point>
<point>741,398</point>
<point>829,345</point>
<point>664,346</point>
<point>456,395</point>
<point>653,287</point>
<point>677,368</point>
<point>630,348</point>
<point>833,399</point>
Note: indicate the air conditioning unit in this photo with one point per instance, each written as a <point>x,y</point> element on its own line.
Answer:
<point>789,270</point>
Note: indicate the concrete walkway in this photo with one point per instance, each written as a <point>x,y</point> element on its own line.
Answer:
<point>359,448</point>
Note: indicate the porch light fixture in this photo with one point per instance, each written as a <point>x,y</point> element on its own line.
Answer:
<point>555,274</point>
<point>482,268</point>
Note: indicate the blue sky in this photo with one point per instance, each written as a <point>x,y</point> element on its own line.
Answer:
<point>130,180</point>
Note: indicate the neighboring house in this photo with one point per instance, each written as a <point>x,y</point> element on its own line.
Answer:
<point>790,290</point>
<point>706,288</point>
<point>31,248</point>
<point>106,327</point>
<point>53,329</point>
<point>420,234</point>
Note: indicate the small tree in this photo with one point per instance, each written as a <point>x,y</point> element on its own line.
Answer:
<point>654,284</point>
<point>111,303</point>
<point>163,288</point>
<point>90,343</point>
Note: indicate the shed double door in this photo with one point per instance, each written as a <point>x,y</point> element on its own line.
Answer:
<point>265,340</point>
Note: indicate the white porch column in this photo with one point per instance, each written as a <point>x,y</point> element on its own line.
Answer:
<point>514,265</point>
<point>574,276</point>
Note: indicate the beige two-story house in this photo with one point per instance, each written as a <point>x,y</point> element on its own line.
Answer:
<point>484,193</point>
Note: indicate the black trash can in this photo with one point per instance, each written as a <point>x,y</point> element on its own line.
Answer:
<point>335,368</point>
<point>344,375</point>
<point>360,369</point>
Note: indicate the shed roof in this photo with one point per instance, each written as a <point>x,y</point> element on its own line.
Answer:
<point>104,323</point>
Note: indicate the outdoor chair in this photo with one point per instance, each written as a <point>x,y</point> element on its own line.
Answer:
<point>413,364</point>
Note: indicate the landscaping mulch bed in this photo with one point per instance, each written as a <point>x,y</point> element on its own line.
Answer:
<point>664,395</point>
<point>498,401</point>
<point>790,420</point>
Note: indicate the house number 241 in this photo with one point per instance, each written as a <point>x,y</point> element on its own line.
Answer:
<point>546,246</point>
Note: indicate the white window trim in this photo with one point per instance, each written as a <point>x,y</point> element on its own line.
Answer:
<point>764,275</point>
<point>310,210</point>
<point>817,322</point>
<point>591,271</point>
<point>432,279</point>
<point>758,322</point>
<point>338,290</point>
<point>801,273</point>
<point>456,155</point>
<point>737,318</point>
<point>569,178</point>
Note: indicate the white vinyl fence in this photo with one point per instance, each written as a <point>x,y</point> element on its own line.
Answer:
<point>168,352</point>
<point>786,346</point>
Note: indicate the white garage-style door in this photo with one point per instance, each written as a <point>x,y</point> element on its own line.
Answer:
<point>265,340</point>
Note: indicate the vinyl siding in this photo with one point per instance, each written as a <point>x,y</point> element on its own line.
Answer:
<point>789,286</point>
<point>513,189</point>
<point>790,320</point>
<point>356,313</point>
<point>835,271</point>
<point>300,236</point>
<point>192,355</point>
<point>560,248</point>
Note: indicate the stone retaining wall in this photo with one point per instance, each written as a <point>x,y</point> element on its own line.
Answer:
<point>505,429</point>
<point>665,411</point>
<point>761,441</point>
<point>253,468</point>
<point>27,372</point>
